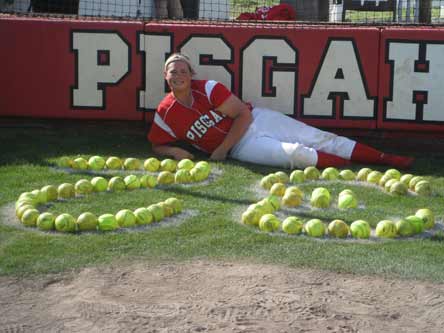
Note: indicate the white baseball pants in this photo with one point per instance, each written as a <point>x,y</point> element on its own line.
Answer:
<point>275,139</point>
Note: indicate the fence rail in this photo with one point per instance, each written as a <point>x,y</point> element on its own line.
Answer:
<point>335,11</point>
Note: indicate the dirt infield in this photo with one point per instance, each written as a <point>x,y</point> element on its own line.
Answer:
<point>202,296</point>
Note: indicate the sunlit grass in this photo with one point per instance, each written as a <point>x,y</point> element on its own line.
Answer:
<point>211,228</point>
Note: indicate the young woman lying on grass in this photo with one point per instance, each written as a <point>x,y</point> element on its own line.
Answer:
<point>205,114</point>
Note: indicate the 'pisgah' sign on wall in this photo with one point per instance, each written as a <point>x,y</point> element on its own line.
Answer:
<point>329,76</point>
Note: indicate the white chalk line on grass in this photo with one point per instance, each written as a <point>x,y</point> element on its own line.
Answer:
<point>214,174</point>
<point>305,208</point>
<point>281,215</point>
<point>8,217</point>
<point>260,191</point>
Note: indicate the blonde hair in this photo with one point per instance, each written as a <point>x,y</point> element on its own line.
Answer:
<point>179,57</point>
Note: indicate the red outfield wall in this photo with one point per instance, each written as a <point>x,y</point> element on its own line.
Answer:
<point>329,76</point>
<point>39,70</point>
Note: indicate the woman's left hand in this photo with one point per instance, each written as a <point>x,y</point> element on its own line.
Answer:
<point>219,154</point>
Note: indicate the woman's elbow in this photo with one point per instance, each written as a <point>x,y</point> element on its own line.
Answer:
<point>157,149</point>
<point>248,116</point>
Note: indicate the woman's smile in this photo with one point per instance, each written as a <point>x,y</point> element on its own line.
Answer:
<point>178,76</point>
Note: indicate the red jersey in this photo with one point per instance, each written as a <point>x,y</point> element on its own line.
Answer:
<point>200,125</point>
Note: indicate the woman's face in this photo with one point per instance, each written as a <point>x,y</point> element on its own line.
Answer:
<point>178,76</point>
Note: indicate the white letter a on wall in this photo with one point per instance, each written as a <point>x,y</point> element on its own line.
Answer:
<point>339,80</point>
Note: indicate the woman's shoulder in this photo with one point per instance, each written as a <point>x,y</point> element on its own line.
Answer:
<point>202,83</point>
<point>198,84</point>
<point>205,86</point>
<point>166,103</point>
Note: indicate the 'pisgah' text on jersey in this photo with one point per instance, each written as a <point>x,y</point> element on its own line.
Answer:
<point>201,125</point>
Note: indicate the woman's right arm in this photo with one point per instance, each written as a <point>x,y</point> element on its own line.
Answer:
<point>175,152</point>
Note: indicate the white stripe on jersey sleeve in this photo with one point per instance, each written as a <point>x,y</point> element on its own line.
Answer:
<point>159,122</point>
<point>209,86</point>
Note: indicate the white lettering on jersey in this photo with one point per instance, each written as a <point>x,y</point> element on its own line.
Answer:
<point>201,125</point>
<point>216,117</point>
<point>190,135</point>
<point>207,121</point>
<point>193,128</point>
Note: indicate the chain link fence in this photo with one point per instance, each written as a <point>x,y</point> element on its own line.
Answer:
<point>308,11</point>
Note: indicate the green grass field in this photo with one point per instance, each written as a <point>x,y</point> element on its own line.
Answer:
<point>29,152</point>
